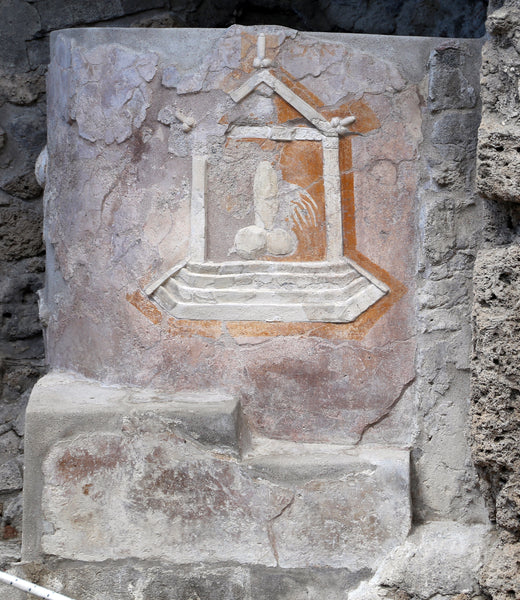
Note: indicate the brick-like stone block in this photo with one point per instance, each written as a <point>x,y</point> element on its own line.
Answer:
<point>129,580</point>
<point>451,86</point>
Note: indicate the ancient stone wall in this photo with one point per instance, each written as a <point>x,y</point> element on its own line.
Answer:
<point>448,252</point>
<point>24,30</point>
<point>324,393</point>
<point>495,431</point>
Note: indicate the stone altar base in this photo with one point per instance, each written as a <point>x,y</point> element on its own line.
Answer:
<point>259,253</point>
<point>178,484</point>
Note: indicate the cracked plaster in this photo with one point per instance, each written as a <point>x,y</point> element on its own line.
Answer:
<point>396,377</point>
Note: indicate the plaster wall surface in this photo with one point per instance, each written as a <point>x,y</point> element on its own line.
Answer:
<point>393,380</point>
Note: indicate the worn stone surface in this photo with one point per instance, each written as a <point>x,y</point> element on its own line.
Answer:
<point>439,560</point>
<point>499,134</point>
<point>495,430</point>
<point>495,409</point>
<point>450,220</point>
<point>499,577</point>
<point>131,581</point>
<point>146,480</point>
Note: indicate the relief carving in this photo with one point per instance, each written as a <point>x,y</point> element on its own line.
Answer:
<point>263,277</point>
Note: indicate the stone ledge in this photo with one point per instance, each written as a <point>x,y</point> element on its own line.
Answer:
<point>134,580</point>
<point>128,474</point>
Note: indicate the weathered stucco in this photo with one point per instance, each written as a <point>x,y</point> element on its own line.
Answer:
<point>133,198</point>
<point>322,419</point>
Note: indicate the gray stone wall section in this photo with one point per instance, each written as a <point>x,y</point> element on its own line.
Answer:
<point>495,433</point>
<point>450,217</point>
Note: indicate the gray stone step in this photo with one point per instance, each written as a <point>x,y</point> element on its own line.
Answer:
<point>265,266</point>
<point>338,312</point>
<point>280,279</point>
<point>335,292</point>
<point>264,293</point>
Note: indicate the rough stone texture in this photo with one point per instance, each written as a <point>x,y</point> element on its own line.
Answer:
<point>148,478</point>
<point>496,411</point>
<point>439,560</point>
<point>22,85</point>
<point>495,430</point>
<point>499,134</point>
<point>499,577</point>
<point>460,18</point>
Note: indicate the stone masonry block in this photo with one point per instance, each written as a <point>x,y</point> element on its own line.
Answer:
<point>128,580</point>
<point>133,470</point>
<point>449,87</point>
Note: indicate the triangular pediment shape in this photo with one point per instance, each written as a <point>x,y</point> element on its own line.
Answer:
<point>280,88</point>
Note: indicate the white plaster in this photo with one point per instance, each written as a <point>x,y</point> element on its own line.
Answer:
<point>382,286</point>
<point>254,241</point>
<point>40,168</point>
<point>168,116</point>
<point>265,191</point>
<point>188,123</point>
<point>332,183</point>
<point>261,290</point>
<point>305,210</point>
<point>306,110</point>
<point>260,60</point>
<point>276,133</point>
<point>158,282</point>
<point>247,87</point>
<point>198,211</point>
<point>250,242</point>
<point>310,113</point>
<point>279,242</point>
<point>341,125</point>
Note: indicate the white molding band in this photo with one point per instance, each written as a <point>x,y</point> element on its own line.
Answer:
<point>332,183</point>
<point>198,210</point>
<point>306,110</point>
<point>277,133</point>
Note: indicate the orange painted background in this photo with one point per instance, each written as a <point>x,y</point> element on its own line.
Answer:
<point>301,163</point>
